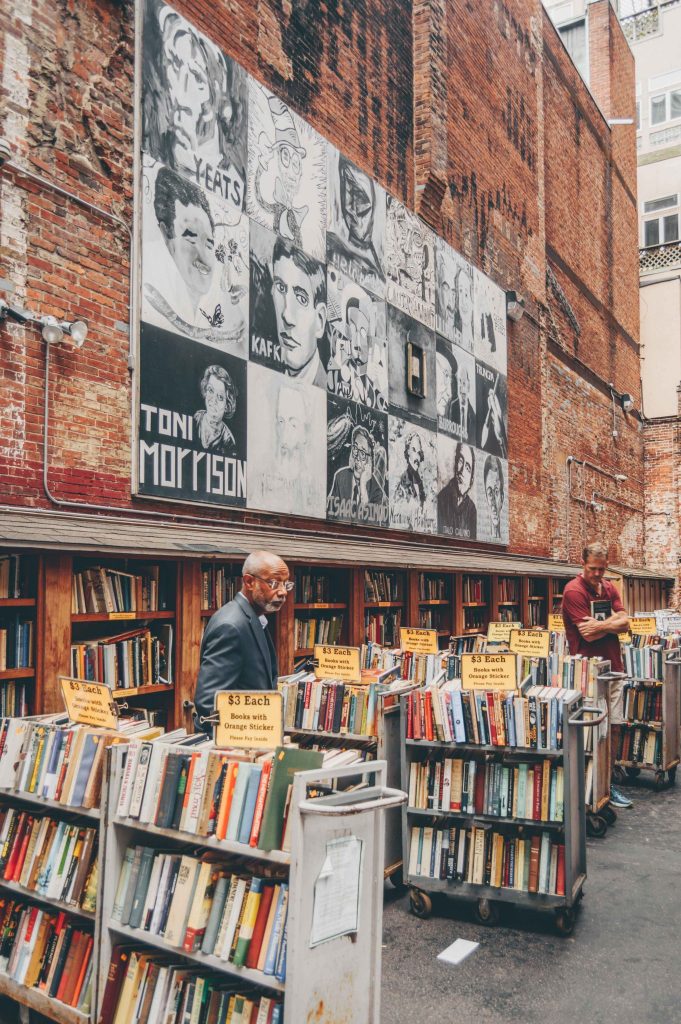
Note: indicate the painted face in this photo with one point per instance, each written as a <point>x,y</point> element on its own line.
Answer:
<point>357,202</point>
<point>291,428</point>
<point>495,497</point>
<point>216,400</point>
<point>358,329</point>
<point>448,305</point>
<point>290,169</point>
<point>444,384</point>
<point>299,322</point>
<point>415,454</point>
<point>193,249</point>
<point>190,94</point>
<point>465,297</point>
<point>360,454</point>
<point>464,386</point>
<point>463,469</point>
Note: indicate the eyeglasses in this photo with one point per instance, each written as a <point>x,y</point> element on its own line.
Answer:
<point>360,453</point>
<point>288,585</point>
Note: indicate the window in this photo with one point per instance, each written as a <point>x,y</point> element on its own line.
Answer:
<point>574,37</point>
<point>665,107</point>
<point>638,115</point>
<point>665,227</point>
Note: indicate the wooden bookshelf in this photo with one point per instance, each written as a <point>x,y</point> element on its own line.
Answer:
<point>473,603</point>
<point>320,608</point>
<point>20,616</point>
<point>431,602</point>
<point>556,585</point>
<point>507,601</point>
<point>386,604</point>
<point>535,602</point>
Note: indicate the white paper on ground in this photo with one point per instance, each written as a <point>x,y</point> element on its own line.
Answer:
<point>458,951</point>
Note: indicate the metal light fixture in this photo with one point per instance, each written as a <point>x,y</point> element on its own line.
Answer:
<point>627,401</point>
<point>515,306</point>
<point>54,331</point>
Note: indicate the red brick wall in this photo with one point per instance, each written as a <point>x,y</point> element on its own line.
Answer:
<point>662,450</point>
<point>472,113</point>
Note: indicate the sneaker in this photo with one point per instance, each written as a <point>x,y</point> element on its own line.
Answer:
<point>618,799</point>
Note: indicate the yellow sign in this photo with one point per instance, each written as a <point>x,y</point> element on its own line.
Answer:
<point>337,663</point>
<point>644,627</point>
<point>89,703</point>
<point>419,641</point>
<point>249,719</point>
<point>625,638</point>
<point>488,671</point>
<point>532,643</point>
<point>115,616</point>
<point>556,624</point>
<point>500,632</point>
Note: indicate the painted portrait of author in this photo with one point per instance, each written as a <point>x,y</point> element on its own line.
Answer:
<point>355,223</point>
<point>490,322</point>
<point>454,296</point>
<point>357,469</point>
<point>195,105</point>
<point>412,460</point>
<point>358,363</point>
<point>409,263</point>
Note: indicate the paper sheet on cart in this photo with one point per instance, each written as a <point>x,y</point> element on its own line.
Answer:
<point>335,911</point>
<point>458,951</point>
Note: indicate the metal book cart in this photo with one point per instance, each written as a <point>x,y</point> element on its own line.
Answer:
<point>665,772</point>
<point>487,898</point>
<point>384,746</point>
<point>598,756</point>
<point>335,867</point>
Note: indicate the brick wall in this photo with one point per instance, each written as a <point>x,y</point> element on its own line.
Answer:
<point>471,113</point>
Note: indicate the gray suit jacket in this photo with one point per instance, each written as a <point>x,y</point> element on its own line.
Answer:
<point>236,654</point>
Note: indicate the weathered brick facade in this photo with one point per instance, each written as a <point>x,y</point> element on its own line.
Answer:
<point>471,113</point>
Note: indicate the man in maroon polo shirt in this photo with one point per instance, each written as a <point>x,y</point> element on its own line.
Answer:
<point>597,637</point>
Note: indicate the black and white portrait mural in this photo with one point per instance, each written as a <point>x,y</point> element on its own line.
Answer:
<point>492,481</point>
<point>357,473</point>
<point>492,406</point>
<point>195,105</point>
<point>412,462</point>
<point>195,255</point>
<point>358,347</point>
<point>308,345</point>
<point>490,322</point>
<point>355,223</point>
<point>457,497</point>
<point>192,420</point>
<point>409,263</point>
<point>286,445</point>
<point>286,173</point>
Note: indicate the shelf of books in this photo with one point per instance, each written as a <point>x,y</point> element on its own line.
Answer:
<point>535,602</point>
<point>321,608</point>
<point>507,599</point>
<point>220,583</point>
<point>556,588</point>
<point>123,629</point>
<point>433,603</point>
<point>647,737</point>
<point>18,626</point>
<point>385,599</point>
<point>475,604</point>
<point>209,886</point>
<point>495,811</point>
<point>50,880</point>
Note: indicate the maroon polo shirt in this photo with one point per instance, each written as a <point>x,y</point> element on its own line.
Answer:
<point>577,598</point>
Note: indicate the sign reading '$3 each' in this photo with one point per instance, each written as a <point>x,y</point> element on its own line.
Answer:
<point>488,671</point>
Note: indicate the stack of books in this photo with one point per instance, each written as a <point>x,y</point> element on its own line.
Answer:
<point>184,783</point>
<point>642,703</point>
<point>13,699</point>
<point>218,586</point>
<point>383,628</point>
<point>46,951</point>
<point>432,588</point>
<point>640,745</point>
<point>98,590</point>
<point>644,662</point>
<point>313,588</point>
<point>199,906</point>
<point>10,577</point>
<point>16,645</point>
<point>533,792</point>
<point>574,672</point>
<point>481,856</point>
<point>126,661</point>
<point>422,668</point>
<point>308,632</point>
<point>329,705</point>
<point>55,859</point>
<point>487,717</point>
<point>473,590</point>
<point>148,986</point>
<point>381,586</point>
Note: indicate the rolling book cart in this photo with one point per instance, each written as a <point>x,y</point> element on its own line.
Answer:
<point>598,756</point>
<point>568,833</point>
<point>383,746</point>
<point>332,969</point>
<point>651,742</point>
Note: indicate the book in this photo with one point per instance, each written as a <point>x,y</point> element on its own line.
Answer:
<point>601,609</point>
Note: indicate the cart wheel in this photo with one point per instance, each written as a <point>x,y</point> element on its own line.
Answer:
<point>660,781</point>
<point>486,912</point>
<point>609,813</point>
<point>420,903</point>
<point>672,776</point>
<point>620,774</point>
<point>565,921</point>
<point>596,826</point>
<point>633,773</point>
<point>397,878</point>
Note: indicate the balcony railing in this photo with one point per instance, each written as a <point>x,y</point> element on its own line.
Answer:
<point>659,257</point>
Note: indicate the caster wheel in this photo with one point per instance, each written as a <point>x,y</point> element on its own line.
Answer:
<point>420,903</point>
<point>660,781</point>
<point>609,813</point>
<point>397,878</point>
<point>672,776</point>
<point>633,773</point>
<point>596,826</point>
<point>565,921</point>
<point>486,912</point>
